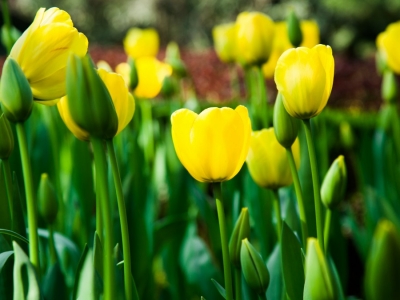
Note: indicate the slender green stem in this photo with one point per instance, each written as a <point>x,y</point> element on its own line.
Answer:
<point>126,248</point>
<point>299,196</point>
<point>315,179</point>
<point>238,284</point>
<point>7,176</point>
<point>52,248</point>
<point>278,214</point>
<point>31,204</point>
<point>7,23</point>
<point>224,241</point>
<point>262,107</point>
<point>327,227</point>
<point>99,219</point>
<point>102,188</point>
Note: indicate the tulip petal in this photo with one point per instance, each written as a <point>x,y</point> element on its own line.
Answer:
<point>326,58</point>
<point>65,115</point>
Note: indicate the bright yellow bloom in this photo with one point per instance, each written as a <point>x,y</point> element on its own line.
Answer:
<point>102,64</point>
<point>224,37</point>
<point>388,43</point>
<point>124,104</point>
<point>141,42</point>
<point>304,76</point>
<point>213,145</point>
<point>43,50</point>
<point>267,160</point>
<point>255,34</point>
<point>124,70</point>
<point>151,73</point>
<point>281,43</point>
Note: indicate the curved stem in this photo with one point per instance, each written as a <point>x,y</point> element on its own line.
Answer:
<point>126,248</point>
<point>278,214</point>
<point>327,227</point>
<point>7,176</point>
<point>224,240</point>
<point>299,196</point>
<point>102,188</point>
<point>30,197</point>
<point>315,179</point>
<point>238,284</point>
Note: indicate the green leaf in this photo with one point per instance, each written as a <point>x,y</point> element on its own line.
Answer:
<point>86,284</point>
<point>25,282</point>
<point>98,255</point>
<point>4,257</point>
<point>79,271</point>
<point>336,279</point>
<point>219,287</point>
<point>54,286</point>
<point>14,235</point>
<point>6,275</point>
<point>292,265</point>
<point>276,284</point>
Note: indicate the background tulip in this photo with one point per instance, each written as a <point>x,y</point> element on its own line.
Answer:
<point>224,37</point>
<point>43,50</point>
<point>305,77</point>
<point>388,44</point>
<point>213,145</point>
<point>267,160</point>
<point>141,42</point>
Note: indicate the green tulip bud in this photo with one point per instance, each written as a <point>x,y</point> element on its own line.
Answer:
<point>382,271</point>
<point>319,284</point>
<point>169,87</point>
<point>389,86</point>
<point>15,92</point>
<point>254,268</point>
<point>334,184</point>
<point>133,74</point>
<point>47,199</point>
<point>6,138</point>
<point>89,101</point>
<point>240,232</point>
<point>346,135</point>
<point>173,58</point>
<point>294,30</point>
<point>285,126</point>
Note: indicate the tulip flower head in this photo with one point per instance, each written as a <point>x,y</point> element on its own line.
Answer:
<point>304,77</point>
<point>141,42</point>
<point>267,160</point>
<point>42,53</point>
<point>388,44</point>
<point>213,145</point>
<point>224,37</point>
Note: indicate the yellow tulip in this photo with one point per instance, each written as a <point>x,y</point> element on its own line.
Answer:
<point>102,64</point>
<point>43,50</point>
<point>151,73</point>
<point>141,42</point>
<point>388,44</point>
<point>304,76</point>
<point>281,43</point>
<point>254,38</point>
<point>267,160</point>
<point>213,145</point>
<point>224,37</point>
<point>124,70</point>
<point>123,101</point>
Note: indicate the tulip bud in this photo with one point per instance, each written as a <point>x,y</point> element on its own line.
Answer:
<point>169,87</point>
<point>89,101</point>
<point>133,74</point>
<point>389,86</point>
<point>173,58</point>
<point>319,284</point>
<point>294,31</point>
<point>7,138</point>
<point>382,271</point>
<point>346,135</point>
<point>254,268</point>
<point>47,199</point>
<point>15,92</point>
<point>286,127</point>
<point>334,184</point>
<point>240,232</point>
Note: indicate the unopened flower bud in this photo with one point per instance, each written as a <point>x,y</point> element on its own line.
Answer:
<point>254,268</point>
<point>47,199</point>
<point>173,58</point>
<point>389,89</point>
<point>334,185</point>
<point>6,138</point>
<point>133,74</point>
<point>15,92</point>
<point>294,30</point>
<point>240,232</point>
<point>346,135</point>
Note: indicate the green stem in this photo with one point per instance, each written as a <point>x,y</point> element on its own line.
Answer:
<point>224,240</point>
<point>52,248</point>
<point>102,188</point>
<point>7,23</point>
<point>327,227</point>
<point>278,214</point>
<point>7,176</point>
<point>99,219</point>
<point>299,196</point>
<point>315,179</point>
<point>126,248</point>
<point>263,99</point>
<point>235,88</point>
<point>238,284</point>
<point>30,197</point>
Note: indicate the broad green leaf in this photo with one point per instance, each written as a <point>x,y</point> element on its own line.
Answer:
<point>292,265</point>
<point>14,235</point>
<point>336,279</point>
<point>276,285</point>
<point>53,284</point>
<point>79,271</point>
<point>98,255</point>
<point>6,275</point>
<point>4,257</point>
<point>86,284</point>
<point>219,288</point>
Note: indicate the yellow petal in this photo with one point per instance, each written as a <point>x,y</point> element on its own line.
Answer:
<point>141,42</point>
<point>124,70</point>
<point>102,64</point>
<point>65,115</point>
<point>224,37</point>
<point>388,46</point>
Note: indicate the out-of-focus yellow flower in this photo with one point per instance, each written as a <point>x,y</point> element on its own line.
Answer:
<point>102,64</point>
<point>124,70</point>
<point>304,76</point>
<point>141,42</point>
<point>213,145</point>
<point>267,160</point>
<point>151,73</point>
<point>43,50</point>
<point>388,43</point>
<point>254,38</point>
<point>123,101</point>
<point>224,37</point>
<point>281,43</point>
